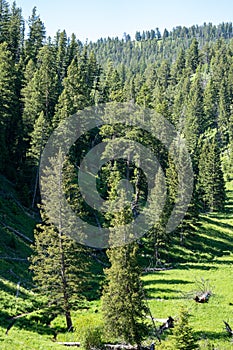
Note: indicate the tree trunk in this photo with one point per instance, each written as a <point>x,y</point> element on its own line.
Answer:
<point>69,323</point>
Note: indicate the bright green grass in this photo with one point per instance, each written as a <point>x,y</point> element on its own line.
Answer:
<point>169,290</point>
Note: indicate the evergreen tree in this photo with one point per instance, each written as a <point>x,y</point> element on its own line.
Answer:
<point>73,48</point>
<point>122,300</point>
<point>194,116</point>
<point>192,58</point>
<point>78,87</point>
<point>4,21</point>
<point>36,36</point>
<point>224,112</point>
<point>112,85</point>
<point>178,67</point>
<point>41,90</point>
<point>210,178</point>
<point>157,234</point>
<point>58,263</point>
<point>16,32</point>
<point>8,107</point>
<point>210,104</point>
<point>62,55</point>
<point>183,333</point>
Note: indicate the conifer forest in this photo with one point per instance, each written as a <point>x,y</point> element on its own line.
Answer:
<point>149,265</point>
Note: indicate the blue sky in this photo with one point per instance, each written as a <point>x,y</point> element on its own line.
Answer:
<point>92,19</point>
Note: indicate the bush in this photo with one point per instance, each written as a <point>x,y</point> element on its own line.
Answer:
<point>92,338</point>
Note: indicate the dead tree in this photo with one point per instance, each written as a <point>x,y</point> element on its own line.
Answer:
<point>167,325</point>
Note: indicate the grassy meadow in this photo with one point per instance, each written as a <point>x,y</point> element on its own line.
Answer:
<point>205,262</point>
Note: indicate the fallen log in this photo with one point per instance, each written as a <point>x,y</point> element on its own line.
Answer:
<point>17,233</point>
<point>13,320</point>
<point>68,343</point>
<point>106,346</point>
<point>155,269</point>
<point>13,259</point>
<point>120,347</point>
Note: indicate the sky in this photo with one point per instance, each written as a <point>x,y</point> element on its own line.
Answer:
<point>93,19</point>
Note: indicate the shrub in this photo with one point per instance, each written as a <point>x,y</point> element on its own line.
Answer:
<point>92,338</point>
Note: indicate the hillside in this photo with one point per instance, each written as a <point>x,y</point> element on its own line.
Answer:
<point>152,135</point>
<point>206,262</point>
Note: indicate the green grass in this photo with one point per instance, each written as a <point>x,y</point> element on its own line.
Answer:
<point>208,255</point>
<point>169,290</point>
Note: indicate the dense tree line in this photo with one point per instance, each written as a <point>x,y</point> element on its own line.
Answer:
<point>185,74</point>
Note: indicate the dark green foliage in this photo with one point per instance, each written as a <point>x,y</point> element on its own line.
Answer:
<point>183,333</point>
<point>58,262</point>
<point>78,86</point>
<point>122,301</point>
<point>36,36</point>
<point>185,74</point>
<point>8,108</point>
<point>210,179</point>
<point>192,59</point>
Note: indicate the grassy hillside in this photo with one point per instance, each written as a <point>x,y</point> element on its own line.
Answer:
<point>207,260</point>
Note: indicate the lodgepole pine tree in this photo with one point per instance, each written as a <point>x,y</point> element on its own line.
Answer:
<point>122,301</point>
<point>183,333</point>
<point>8,107</point>
<point>16,32</point>
<point>78,87</point>
<point>4,21</point>
<point>40,92</point>
<point>58,262</point>
<point>36,36</point>
<point>157,234</point>
<point>210,178</point>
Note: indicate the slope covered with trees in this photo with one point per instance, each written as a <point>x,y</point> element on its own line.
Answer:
<point>186,76</point>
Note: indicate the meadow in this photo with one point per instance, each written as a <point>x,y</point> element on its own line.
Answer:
<point>206,262</point>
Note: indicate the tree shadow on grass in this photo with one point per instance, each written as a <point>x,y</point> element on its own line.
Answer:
<point>29,323</point>
<point>12,290</point>
<point>212,221</point>
<point>158,293</point>
<point>211,244</point>
<point>165,281</point>
<point>211,335</point>
<point>196,266</point>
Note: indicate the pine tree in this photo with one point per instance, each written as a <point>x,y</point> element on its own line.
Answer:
<point>155,219</point>
<point>178,67</point>
<point>41,90</point>
<point>16,32</point>
<point>78,87</point>
<point>224,112</point>
<point>210,104</point>
<point>8,107</point>
<point>210,178</point>
<point>58,263</point>
<point>144,97</point>
<point>36,36</point>
<point>74,46</point>
<point>183,333</point>
<point>192,58</point>
<point>194,116</point>
<point>62,57</point>
<point>4,21</point>
<point>112,85</point>
<point>179,108</point>
<point>122,300</point>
